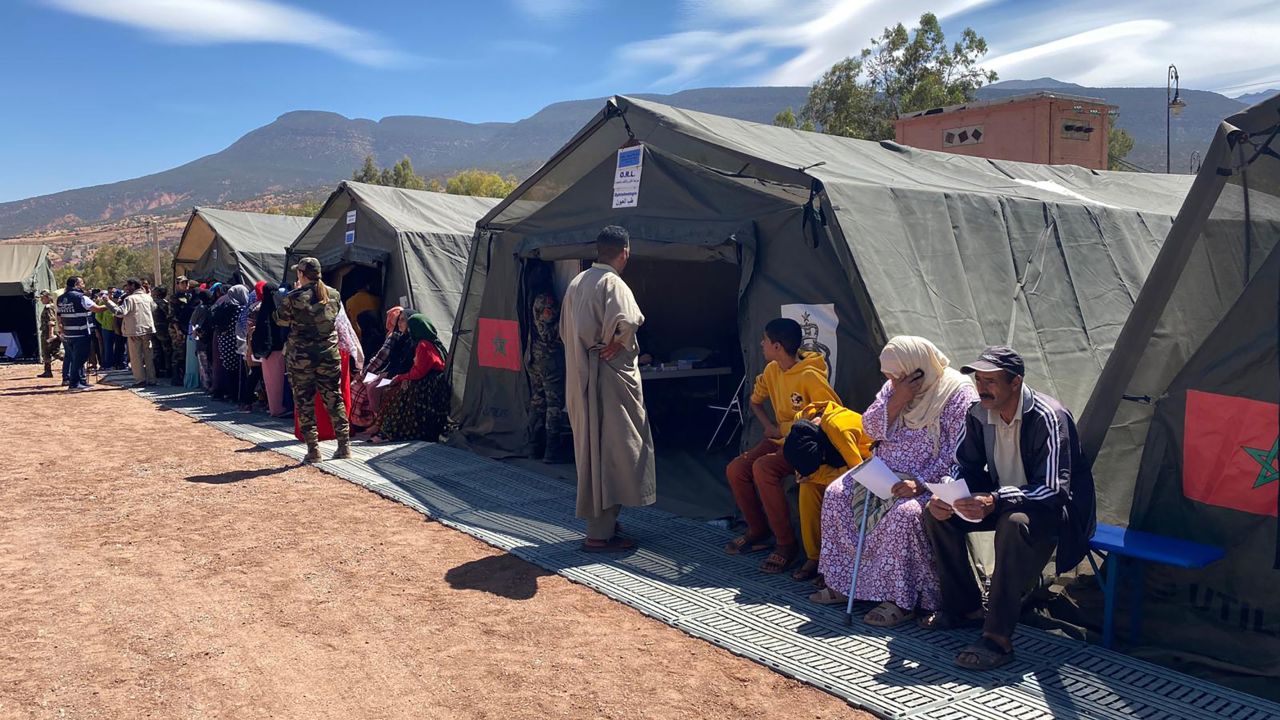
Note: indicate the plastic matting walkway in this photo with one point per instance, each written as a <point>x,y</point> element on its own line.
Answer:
<point>681,577</point>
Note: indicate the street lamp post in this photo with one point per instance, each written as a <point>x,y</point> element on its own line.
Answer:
<point>1173,106</point>
<point>155,240</point>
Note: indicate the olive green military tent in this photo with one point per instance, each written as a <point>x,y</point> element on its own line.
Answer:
<point>1184,417</point>
<point>227,245</point>
<point>735,223</point>
<point>24,272</point>
<point>410,245</point>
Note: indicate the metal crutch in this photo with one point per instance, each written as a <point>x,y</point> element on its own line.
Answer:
<point>857,558</point>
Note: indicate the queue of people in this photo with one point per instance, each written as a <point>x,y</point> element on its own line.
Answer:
<point>288,351</point>
<point>1016,448</point>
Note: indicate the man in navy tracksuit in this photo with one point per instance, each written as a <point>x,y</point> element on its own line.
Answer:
<point>1021,458</point>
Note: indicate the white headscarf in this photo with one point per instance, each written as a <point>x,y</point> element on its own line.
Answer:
<point>905,354</point>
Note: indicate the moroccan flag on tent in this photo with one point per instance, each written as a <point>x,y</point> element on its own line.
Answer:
<point>1231,454</point>
<point>498,344</point>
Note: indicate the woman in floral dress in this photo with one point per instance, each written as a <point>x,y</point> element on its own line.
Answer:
<point>917,418</point>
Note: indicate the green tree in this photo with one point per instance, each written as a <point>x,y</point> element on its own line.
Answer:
<point>368,173</point>
<point>1119,145</point>
<point>787,119</point>
<point>403,176</point>
<point>113,264</point>
<point>903,71</point>
<point>481,184</point>
<point>306,208</point>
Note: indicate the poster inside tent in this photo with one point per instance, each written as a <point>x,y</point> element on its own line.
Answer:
<point>818,324</point>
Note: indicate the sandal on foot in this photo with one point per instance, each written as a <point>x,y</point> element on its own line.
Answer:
<point>612,545</point>
<point>943,620</point>
<point>887,615</point>
<point>807,571</point>
<point>744,544</point>
<point>986,654</point>
<point>827,596</point>
<point>779,560</point>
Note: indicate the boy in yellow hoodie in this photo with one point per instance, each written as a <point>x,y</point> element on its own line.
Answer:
<point>825,441</point>
<point>790,381</point>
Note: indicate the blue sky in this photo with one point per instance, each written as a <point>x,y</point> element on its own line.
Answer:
<point>106,90</point>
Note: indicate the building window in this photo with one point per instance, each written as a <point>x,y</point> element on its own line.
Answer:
<point>1076,129</point>
<point>955,137</point>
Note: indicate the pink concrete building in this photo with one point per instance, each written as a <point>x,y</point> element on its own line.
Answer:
<point>1040,127</point>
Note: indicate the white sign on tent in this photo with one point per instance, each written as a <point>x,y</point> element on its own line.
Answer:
<point>626,177</point>
<point>818,324</point>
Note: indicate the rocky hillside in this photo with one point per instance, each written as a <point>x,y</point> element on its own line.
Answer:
<point>307,149</point>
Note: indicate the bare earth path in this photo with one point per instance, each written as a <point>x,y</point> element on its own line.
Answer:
<point>153,567</point>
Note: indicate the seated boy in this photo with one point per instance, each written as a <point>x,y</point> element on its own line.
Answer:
<point>825,441</point>
<point>790,381</point>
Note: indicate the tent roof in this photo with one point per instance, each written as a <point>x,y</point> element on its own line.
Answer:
<point>797,157</point>
<point>243,231</point>
<point>421,211</point>
<point>20,268</point>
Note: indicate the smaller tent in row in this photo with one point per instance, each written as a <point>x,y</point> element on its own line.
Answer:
<point>227,245</point>
<point>24,272</point>
<point>409,246</point>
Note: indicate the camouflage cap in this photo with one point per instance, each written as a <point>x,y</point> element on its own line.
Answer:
<point>308,266</point>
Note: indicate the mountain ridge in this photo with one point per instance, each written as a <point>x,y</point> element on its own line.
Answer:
<point>306,149</point>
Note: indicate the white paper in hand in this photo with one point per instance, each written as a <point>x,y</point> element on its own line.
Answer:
<point>951,491</point>
<point>370,377</point>
<point>876,477</point>
<point>384,382</point>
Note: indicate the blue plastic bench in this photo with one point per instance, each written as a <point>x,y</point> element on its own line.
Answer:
<point>1137,547</point>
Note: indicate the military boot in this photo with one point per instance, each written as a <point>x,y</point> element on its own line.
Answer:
<point>313,453</point>
<point>344,450</point>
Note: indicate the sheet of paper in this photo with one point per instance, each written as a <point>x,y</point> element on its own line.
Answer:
<point>385,382</point>
<point>950,492</point>
<point>876,477</point>
<point>369,377</point>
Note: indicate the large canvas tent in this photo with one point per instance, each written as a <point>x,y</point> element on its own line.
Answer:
<point>412,244</point>
<point>24,272</point>
<point>225,245</point>
<point>1184,417</point>
<point>879,238</point>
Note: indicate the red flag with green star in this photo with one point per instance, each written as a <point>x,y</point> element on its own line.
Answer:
<point>1231,452</point>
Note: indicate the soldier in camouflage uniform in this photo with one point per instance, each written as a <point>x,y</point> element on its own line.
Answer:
<point>312,358</point>
<point>161,341</point>
<point>548,428</point>
<point>179,317</point>
<point>50,342</point>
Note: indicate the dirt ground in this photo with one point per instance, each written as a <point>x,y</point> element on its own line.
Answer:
<point>154,567</point>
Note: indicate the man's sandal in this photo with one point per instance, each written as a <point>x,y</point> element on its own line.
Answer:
<point>614,544</point>
<point>808,571</point>
<point>887,615</point>
<point>742,545</point>
<point>778,561</point>
<point>986,654</point>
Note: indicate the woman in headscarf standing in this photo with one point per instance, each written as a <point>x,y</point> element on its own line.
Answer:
<point>420,409</point>
<point>364,398</point>
<point>917,419</point>
<point>266,346</point>
<point>195,365</point>
<point>311,313</point>
<point>228,361</point>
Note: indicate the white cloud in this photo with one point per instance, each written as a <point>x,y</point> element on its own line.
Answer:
<point>1222,45</point>
<point>818,32</point>
<point>239,21</point>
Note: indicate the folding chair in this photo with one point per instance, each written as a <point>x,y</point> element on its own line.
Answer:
<point>734,406</point>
